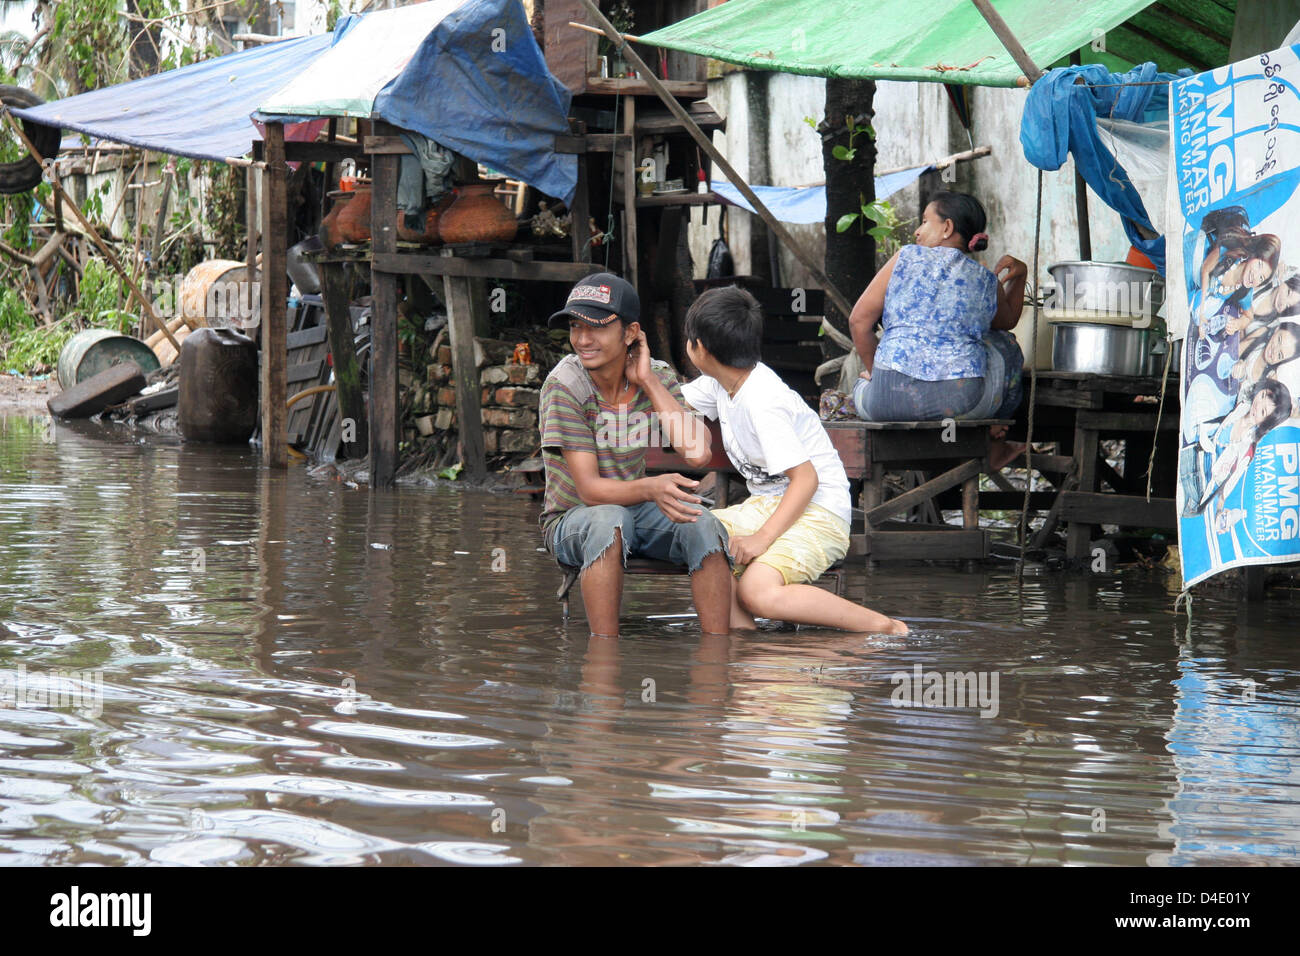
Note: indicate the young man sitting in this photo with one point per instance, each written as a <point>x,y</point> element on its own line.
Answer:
<point>600,505</point>
<point>795,524</point>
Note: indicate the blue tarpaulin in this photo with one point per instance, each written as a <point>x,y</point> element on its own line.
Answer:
<point>807,204</point>
<point>201,111</point>
<point>466,73</point>
<point>1060,119</point>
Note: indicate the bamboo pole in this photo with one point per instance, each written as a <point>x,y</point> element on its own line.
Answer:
<point>1008,40</point>
<point>90,231</point>
<point>706,144</point>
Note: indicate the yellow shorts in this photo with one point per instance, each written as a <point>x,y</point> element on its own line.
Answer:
<point>812,544</point>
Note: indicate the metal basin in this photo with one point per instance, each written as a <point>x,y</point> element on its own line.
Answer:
<point>1110,288</point>
<point>1105,349</point>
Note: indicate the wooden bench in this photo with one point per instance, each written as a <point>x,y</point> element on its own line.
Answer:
<point>949,452</point>
<point>662,461</point>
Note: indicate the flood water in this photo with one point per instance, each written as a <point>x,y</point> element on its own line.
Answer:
<point>294,671</point>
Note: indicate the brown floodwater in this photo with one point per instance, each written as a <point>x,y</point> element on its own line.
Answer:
<point>205,662</point>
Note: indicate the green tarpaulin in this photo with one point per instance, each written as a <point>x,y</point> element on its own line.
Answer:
<point>938,40</point>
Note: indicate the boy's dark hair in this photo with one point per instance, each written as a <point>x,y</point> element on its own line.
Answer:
<point>729,323</point>
<point>967,215</point>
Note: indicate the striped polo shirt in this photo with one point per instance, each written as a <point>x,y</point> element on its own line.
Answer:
<point>574,416</point>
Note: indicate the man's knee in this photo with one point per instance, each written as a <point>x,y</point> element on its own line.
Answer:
<point>700,538</point>
<point>607,525</point>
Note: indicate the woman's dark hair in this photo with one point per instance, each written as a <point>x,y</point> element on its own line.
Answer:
<point>729,323</point>
<point>967,215</point>
<point>1281,396</point>
<point>1293,283</point>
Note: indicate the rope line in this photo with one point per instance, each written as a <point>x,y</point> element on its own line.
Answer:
<point>1033,388</point>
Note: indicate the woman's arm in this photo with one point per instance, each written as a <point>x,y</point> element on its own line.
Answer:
<point>1211,260</point>
<point>867,312</point>
<point>1011,293</point>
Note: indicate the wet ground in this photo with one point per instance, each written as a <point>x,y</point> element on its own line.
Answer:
<point>202,661</point>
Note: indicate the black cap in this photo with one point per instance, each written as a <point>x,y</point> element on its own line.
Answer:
<point>598,300</point>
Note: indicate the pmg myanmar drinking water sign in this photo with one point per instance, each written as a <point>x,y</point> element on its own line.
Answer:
<point>1234,245</point>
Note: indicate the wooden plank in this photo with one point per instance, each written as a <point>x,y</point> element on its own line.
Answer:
<point>1127,511</point>
<point>629,197</point>
<point>921,493</point>
<point>383,323</point>
<point>309,336</point>
<point>307,371</point>
<point>460,323</point>
<point>347,370</point>
<point>970,502</point>
<point>1110,422</point>
<point>901,545</point>
<point>385,145</point>
<point>682,89</point>
<point>851,445</point>
<point>594,143</point>
<point>420,264</point>
<point>275,298</point>
<point>680,199</point>
<point>1068,398</point>
<point>321,152</point>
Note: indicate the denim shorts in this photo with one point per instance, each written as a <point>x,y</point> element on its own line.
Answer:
<point>584,533</point>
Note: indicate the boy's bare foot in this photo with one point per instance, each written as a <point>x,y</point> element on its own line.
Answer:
<point>1003,453</point>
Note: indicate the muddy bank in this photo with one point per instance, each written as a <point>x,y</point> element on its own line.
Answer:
<point>18,393</point>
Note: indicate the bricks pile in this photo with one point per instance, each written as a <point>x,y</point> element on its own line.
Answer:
<point>509,395</point>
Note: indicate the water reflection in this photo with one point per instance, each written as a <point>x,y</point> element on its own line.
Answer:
<point>298,672</point>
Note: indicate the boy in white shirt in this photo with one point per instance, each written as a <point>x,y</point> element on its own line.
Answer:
<point>795,524</point>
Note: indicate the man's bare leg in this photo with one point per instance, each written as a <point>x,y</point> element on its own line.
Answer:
<point>711,589</point>
<point>602,589</point>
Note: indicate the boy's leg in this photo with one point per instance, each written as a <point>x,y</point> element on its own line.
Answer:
<point>593,539</point>
<point>764,593</point>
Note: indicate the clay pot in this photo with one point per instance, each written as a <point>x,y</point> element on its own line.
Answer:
<point>328,233</point>
<point>477,216</point>
<point>354,222</point>
<point>431,236</point>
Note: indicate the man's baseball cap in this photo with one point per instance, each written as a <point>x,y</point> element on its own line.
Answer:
<point>598,300</point>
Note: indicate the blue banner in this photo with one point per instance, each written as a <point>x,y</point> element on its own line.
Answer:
<point>1236,151</point>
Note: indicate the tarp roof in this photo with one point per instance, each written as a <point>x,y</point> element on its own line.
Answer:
<point>467,73</point>
<point>201,110</point>
<point>939,41</point>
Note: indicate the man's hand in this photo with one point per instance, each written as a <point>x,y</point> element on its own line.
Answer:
<point>638,369</point>
<point>672,494</point>
<point>746,547</point>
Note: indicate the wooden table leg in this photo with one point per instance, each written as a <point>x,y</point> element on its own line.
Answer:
<point>1086,446</point>
<point>469,409</point>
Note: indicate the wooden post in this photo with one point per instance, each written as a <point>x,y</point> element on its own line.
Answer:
<point>579,230</point>
<point>251,219</point>
<point>629,192</point>
<point>275,299</point>
<point>383,322</point>
<point>1086,445</point>
<point>706,145</point>
<point>469,410</point>
<point>347,370</point>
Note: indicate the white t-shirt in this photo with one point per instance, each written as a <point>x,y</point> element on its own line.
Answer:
<point>767,429</point>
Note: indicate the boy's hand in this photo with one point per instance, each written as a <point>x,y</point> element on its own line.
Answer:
<point>671,494</point>
<point>638,370</point>
<point>746,547</point>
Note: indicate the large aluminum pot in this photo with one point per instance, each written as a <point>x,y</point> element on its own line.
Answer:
<point>1105,349</point>
<point>1109,288</point>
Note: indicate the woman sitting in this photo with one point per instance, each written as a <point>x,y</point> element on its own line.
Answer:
<point>946,351</point>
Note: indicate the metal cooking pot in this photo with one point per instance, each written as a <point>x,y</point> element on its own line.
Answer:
<point>1111,288</point>
<point>1105,349</point>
